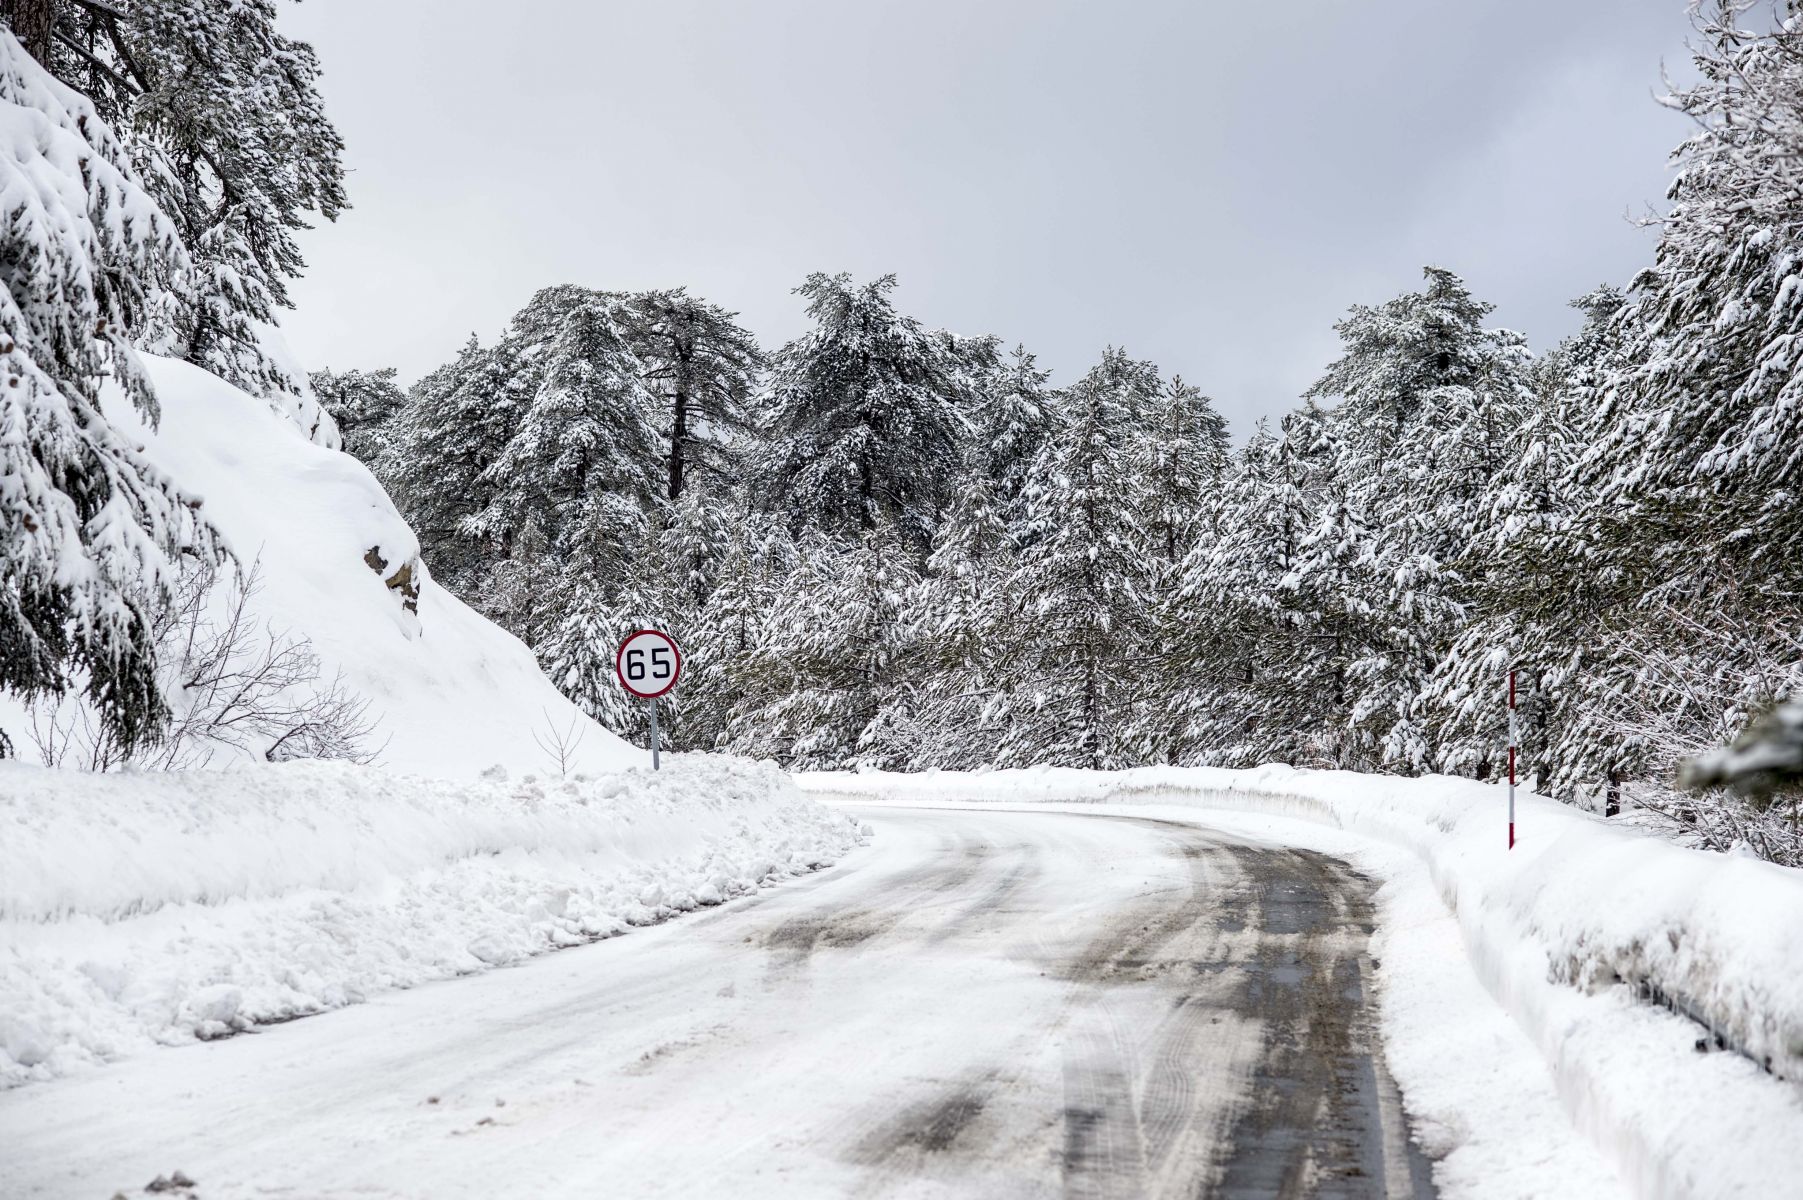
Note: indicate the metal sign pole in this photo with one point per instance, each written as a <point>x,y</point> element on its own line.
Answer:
<point>1514,742</point>
<point>654,763</point>
<point>648,664</point>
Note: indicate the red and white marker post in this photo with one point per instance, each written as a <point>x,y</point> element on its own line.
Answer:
<point>648,664</point>
<point>1514,747</point>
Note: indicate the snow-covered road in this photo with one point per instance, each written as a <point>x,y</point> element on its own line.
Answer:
<point>977,1004</point>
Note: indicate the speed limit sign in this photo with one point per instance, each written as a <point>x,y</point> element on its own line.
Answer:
<point>648,664</point>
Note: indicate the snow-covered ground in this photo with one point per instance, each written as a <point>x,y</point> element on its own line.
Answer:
<point>1569,935</point>
<point>146,908</point>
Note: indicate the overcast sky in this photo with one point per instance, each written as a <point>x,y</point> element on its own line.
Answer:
<point>1208,184</point>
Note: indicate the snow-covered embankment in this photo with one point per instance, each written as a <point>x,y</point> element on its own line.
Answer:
<point>1579,933</point>
<point>154,908</point>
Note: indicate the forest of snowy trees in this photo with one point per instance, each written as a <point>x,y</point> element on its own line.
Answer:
<point>890,546</point>
<point>893,547</point>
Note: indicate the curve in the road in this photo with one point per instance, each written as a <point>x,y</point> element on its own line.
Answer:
<point>982,1003</point>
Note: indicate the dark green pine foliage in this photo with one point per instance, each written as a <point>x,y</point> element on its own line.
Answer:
<point>866,413</point>
<point>456,425</point>
<point>363,404</point>
<point>703,368</point>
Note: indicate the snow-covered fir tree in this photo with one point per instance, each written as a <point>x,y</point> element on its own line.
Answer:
<point>1079,599</point>
<point>865,413</point>
<point>1014,418</point>
<point>825,665</point>
<point>1182,451</point>
<point>580,473</point>
<point>1239,629</point>
<point>704,369</point>
<point>1691,540</point>
<point>957,620</point>
<point>1536,609</point>
<point>91,530</point>
<point>455,426</point>
<point>222,116</point>
<point>1421,383</point>
<point>363,405</point>
<point>746,583</point>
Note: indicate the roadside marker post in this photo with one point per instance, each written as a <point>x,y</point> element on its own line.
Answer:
<point>649,664</point>
<point>1514,746</point>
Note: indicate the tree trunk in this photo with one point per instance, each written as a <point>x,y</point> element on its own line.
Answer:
<point>679,439</point>
<point>33,22</point>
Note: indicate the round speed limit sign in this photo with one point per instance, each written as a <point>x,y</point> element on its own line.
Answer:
<point>648,663</point>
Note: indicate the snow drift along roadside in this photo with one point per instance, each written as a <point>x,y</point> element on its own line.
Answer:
<point>138,909</point>
<point>1572,933</point>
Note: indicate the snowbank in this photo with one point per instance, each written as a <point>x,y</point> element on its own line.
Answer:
<point>154,908</point>
<point>1577,933</point>
<point>451,693</point>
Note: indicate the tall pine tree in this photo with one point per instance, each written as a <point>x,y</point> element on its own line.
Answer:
<point>866,412</point>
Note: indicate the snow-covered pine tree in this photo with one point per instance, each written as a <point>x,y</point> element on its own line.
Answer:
<point>580,475</point>
<point>91,529</point>
<point>583,624</point>
<point>1215,615</point>
<point>223,118</point>
<point>1182,450</point>
<point>1710,418</point>
<point>957,628</point>
<point>1248,624</point>
<point>1422,385</point>
<point>1079,598</point>
<point>825,665</point>
<point>1696,529</point>
<point>1330,617</point>
<point>1657,613</point>
<point>1538,608</point>
<point>1014,418</point>
<point>865,414</point>
<point>1179,454</point>
<point>747,582</point>
<point>363,404</point>
<point>455,426</point>
<point>674,582</point>
<point>704,368</point>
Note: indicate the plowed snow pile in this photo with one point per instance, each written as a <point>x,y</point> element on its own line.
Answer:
<point>157,908</point>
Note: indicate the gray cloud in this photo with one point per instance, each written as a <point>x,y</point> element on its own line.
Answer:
<point>1210,185</point>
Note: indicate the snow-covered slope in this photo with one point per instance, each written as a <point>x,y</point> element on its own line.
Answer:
<point>453,693</point>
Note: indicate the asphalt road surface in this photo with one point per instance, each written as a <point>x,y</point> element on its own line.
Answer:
<point>983,1004</point>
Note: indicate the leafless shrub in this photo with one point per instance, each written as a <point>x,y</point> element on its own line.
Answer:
<point>1700,682</point>
<point>233,682</point>
<point>560,746</point>
<point>1720,820</point>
